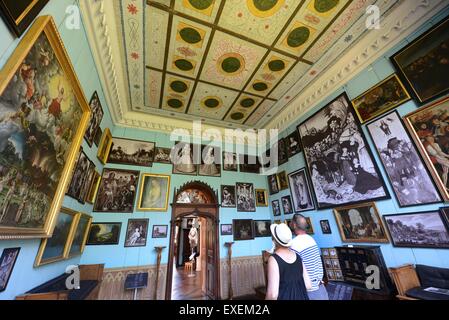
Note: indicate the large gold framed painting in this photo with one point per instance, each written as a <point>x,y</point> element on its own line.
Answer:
<point>43,116</point>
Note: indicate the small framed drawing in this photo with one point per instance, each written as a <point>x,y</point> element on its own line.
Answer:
<point>228,196</point>
<point>325,227</point>
<point>287,205</point>
<point>262,228</point>
<point>136,233</point>
<point>104,233</point>
<point>243,229</point>
<point>276,208</point>
<point>160,231</point>
<point>226,229</point>
<point>7,261</point>
<point>261,198</point>
<point>154,192</point>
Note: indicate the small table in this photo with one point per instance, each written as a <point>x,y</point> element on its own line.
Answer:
<point>136,281</point>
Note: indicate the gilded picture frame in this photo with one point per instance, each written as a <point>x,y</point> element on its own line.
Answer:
<point>105,146</point>
<point>261,198</point>
<point>69,108</point>
<point>80,235</point>
<point>162,198</point>
<point>66,230</point>
<point>93,188</point>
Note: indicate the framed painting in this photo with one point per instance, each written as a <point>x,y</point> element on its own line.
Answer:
<point>228,196</point>
<point>360,223</point>
<point>282,148</point>
<point>325,227</point>
<point>18,15</point>
<point>261,198</point>
<point>160,232</point>
<point>249,163</point>
<point>105,146</point>
<point>98,136</point>
<point>162,155</point>
<point>418,230</point>
<point>430,131</point>
<point>300,191</point>
<point>293,144</point>
<point>117,191</point>
<point>96,179</point>
<point>210,165</point>
<point>273,184</point>
<point>383,97</point>
<point>230,161</point>
<point>243,229</point>
<point>246,201</point>
<point>262,228</point>
<point>81,178</point>
<point>97,114</point>
<point>104,233</point>
<point>445,215</point>
<point>7,262</point>
<point>38,85</point>
<point>423,64</point>
<point>154,192</point>
<point>275,204</point>
<point>58,246</point>
<point>136,233</point>
<point>339,161</point>
<point>287,205</point>
<point>282,180</point>
<point>226,230</point>
<point>131,152</point>
<point>309,226</point>
<point>411,182</point>
<point>183,159</point>
<point>86,187</point>
<point>80,236</point>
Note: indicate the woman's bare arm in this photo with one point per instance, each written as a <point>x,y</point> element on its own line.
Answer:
<point>273,280</point>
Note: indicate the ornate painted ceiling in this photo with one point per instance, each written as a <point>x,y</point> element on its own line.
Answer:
<point>232,63</point>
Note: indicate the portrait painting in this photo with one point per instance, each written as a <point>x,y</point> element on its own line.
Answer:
<point>193,196</point>
<point>325,227</point>
<point>210,161</point>
<point>309,230</point>
<point>117,191</point>
<point>183,159</point>
<point>79,177</point>
<point>338,157</point>
<point>261,198</point>
<point>275,204</point>
<point>160,232</point>
<point>249,163</point>
<point>43,117</point>
<point>243,229</point>
<point>228,196</point>
<point>137,233</point>
<point>429,128</point>
<point>262,228</point>
<point>282,180</point>
<point>273,184</point>
<point>7,262</point>
<point>162,155</point>
<point>105,146</point>
<point>360,223</point>
<point>131,152</point>
<point>424,63</point>
<point>287,205</point>
<point>226,230</point>
<point>86,187</point>
<point>282,148</point>
<point>18,15</point>
<point>154,192</point>
<point>246,201</point>
<point>104,233</point>
<point>96,179</point>
<point>98,136</point>
<point>300,191</point>
<point>418,230</point>
<point>81,234</point>
<point>383,97</point>
<point>411,182</point>
<point>96,116</point>
<point>230,161</point>
<point>57,247</point>
<point>293,144</point>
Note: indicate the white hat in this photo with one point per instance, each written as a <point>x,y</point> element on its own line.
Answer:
<point>282,234</point>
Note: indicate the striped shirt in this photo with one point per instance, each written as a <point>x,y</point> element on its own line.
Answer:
<point>307,248</point>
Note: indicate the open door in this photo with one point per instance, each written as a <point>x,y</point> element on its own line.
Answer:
<point>211,262</point>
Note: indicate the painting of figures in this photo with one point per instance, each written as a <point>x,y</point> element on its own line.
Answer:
<point>107,233</point>
<point>97,114</point>
<point>230,161</point>
<point>409,178</point>
<point>132,152</point>
<point>300,191</point>
<point>81,233</point>
<point>429,127</point>
<point>7,262</point>
<point>43,115</point>
<point>246,201</point>
<point>81,177</point>
<point>162,155</point>
<point>117,191</point>
<point>210,161</point>
<point>293,144</point>
<point>243,229</point>
<point>182,159</point>
<point>154,192</point>
<point>137,233</point>
<point>228,196</point>
<point>338,159</point>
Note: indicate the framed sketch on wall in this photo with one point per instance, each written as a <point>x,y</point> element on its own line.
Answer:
<point>261,198</point>
<point>300,191</point>
<point>210,161</point>
<point>105,146</point>
<point>7,261</point>
<point>275,204</point>
<point>262,228</point>
<point>228,196</point>
<point>160,232</point>
<point>409,178</point>
<point>246,201</point>
<point>182,159</point>
<point>162,155</point>
<point>325,227</point>
<point>154,192</point>
<point>423,64</point>
<point>41,133</point>
<point>79,176</point>
<point>243,229</point>
<point>418,230</point>
<point>104,233</point>
<point>383,97</point>
<point>429,129</point>
<point>96,116</point>
<point>338,158</point>
<point>287,205</point>
<point>230,161</point>
<point>226,230</point>
<point>132,152</point>
<point>18,15</point>
<point>293,144</point>
<point>136,233</point>
<point>273,184</point>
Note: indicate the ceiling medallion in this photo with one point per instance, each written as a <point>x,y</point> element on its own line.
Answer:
<point>231,64</point>
<point>264,8</point>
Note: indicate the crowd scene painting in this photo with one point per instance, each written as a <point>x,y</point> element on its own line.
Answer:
<point>95,119</point>
<point>246,201</point>
<point>409,177</point>
<point>339,161</point>
<point>132,152</point>
<point>117,191</point>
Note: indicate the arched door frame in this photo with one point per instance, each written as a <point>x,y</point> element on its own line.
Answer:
<point>204,210</point>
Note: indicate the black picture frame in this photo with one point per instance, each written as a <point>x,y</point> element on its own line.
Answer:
<point>330,197</point>
<point>97,114</point>
<point>195,151</point>
<point>11,265</point>
<point>417,225</point>
<point>445,214</point>
<point>265,233</point>
<point>297,206</point>
<point>293,144</point>
<point>163,235</point>
<point>234,167</point>
<point>289,204</point>
<point>217,156</point>
<point>237,227</point>
<point>126,158</point>
<point>325,227</point>
<point>231,189</point>
<point>166,153</point>
<point>115,239</point>
<point>249,164</point>
<point>225,232</point>
<point>245,203</point>
<point>273,184</point>
<point>276,207</point>
<point>18,19</point>
<point>128,236</point>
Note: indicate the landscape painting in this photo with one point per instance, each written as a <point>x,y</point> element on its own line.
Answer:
<point>104,233</point>
<point>132,152</point>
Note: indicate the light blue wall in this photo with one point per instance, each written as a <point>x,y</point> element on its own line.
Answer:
<point>372,75</point>
<point>24,276</point>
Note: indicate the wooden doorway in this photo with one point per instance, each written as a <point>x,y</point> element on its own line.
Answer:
<point>199,200</point>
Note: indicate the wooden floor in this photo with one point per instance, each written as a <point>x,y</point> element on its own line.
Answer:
<point>186,288</point>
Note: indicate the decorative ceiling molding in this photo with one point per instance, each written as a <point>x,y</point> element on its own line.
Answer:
<point>402,22</point>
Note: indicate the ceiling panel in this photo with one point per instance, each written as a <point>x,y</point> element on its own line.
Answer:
<point>153,80</point>
<point>177,93</point>
<point>205,10</point>
<point>156,36</point>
